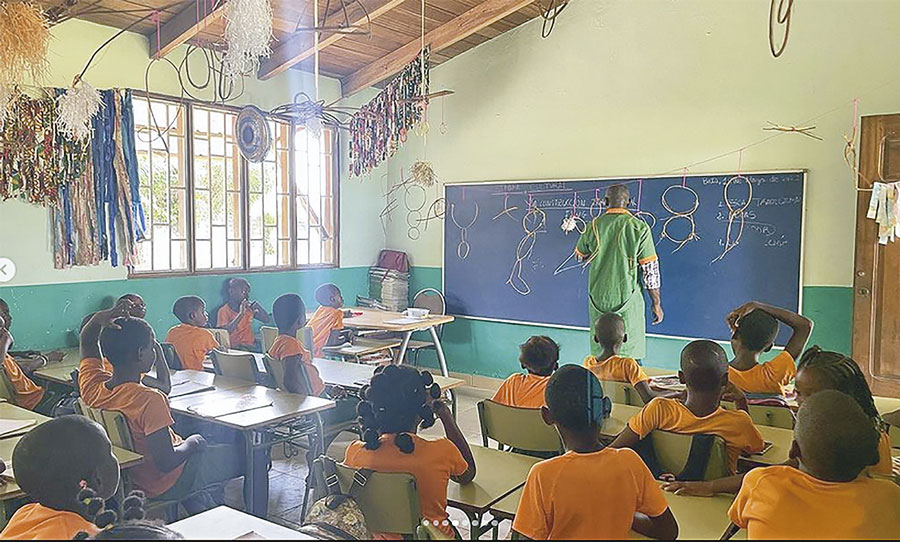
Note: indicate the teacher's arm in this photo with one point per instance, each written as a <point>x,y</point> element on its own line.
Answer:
<point>587,243</point>
<point>650,274</point>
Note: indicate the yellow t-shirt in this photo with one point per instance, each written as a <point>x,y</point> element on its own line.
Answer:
<point>37,522</point>
<point>432,463</point>
<point>28,394</point>
<point>286,346</point>
<point>192,344</point>
<point>145,409</point>
<point>587,496</point>
<point>522,391</point>
<point>885,466</point>
<point>243,333</point>
<point>769,377</point>
<point>734,426</point>
<point>616,369</point>
<point>785,503</point>
<point>324,321</point>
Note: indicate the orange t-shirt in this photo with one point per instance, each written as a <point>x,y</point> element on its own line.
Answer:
<point>432,463</point>
<point>587,496</point>
<point>243,333</point>
<point>617,369</point>
<point>28,394</point>
<point>145,409</point>
<point>37,522</point>
<point>734,426</point>
<point>323,322</point>
<point>523,391</point>
<point>286,346</point>
<point>885,466</point>
<point>192,344</point>
<point>785,503</point>
<point>769,377</point>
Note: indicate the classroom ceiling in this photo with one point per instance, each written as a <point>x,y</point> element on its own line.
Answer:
<point>383,45</point>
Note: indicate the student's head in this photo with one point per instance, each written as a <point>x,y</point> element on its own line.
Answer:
<point>329,295</point>
<point>396,401</point>
<point>53,460</point>
<point>617,195</point>
<point>131,526</point>
<point>833,438</point>
<point>704,367</point>
<point>131,345</point>
<point>138,308</point>
<point>5,316</point>
<point>575,401</point>
<point>539,355</point>
<point>236,290</point>
<point>819,370</point>
<point>609,332</point>
<point>289,313</point>
<point>190,309</point>
<point>755,332</point>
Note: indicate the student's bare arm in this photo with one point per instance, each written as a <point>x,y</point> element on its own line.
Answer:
<point>709,488</point>
<point>626,439</point>
<point>800,325</point>
<point>457,438</point>
<point>259,312</point>
<point>231,326</point>
<point>167,457</point>
<point>643,389</point>
<point>90,334</point>
<point>292,380</point>
<point>662,527</point>
<point>30,364</point>
<point>656,307</point>
<point>163,380</point>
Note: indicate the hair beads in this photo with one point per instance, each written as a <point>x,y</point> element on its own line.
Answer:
<point>97,513</point>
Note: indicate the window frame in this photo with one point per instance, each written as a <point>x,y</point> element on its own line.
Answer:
<point>187,111</point>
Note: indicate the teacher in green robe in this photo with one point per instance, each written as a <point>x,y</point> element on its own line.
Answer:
<point>619,248</point>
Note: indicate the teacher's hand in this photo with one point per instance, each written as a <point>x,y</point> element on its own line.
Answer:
<point>658,314</point>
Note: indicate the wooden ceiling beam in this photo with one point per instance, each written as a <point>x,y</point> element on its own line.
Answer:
<point>182,27</point>
<point>459,28</point>
<point>300,45</point>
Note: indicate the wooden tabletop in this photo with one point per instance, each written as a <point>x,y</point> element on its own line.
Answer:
<point>209,379</point>
<point>223,523</point>
<point>11,490</point>
<point>886,405</point>
<point>363,347</point>
<point>355,375</point>
<point>497,475</point>
<point>9,411</point>
<point>376,319</point>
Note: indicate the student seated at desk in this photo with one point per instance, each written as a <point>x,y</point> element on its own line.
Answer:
<point>539,356</point>
<point>27,394</point>
<point>609,333</point>
<point>237,314</point>
<point>399,400</point>
<point>173,468</point>
<point>704,372</point>
<point>590,492</point>
<point>829,495</point>
<point>754,329</point>
<point>52,462</point>
<point>191,339</point>
<point>328,319</point>
<point>28,360</point>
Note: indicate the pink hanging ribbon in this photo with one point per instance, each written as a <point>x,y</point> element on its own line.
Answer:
<point>640,192</point>
<point>684,178</point>
<point>155,19</point>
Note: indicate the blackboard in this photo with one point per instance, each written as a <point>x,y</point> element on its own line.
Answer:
<point>495,269</point>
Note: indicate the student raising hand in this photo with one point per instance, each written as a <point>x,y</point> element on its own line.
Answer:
<point>90,333</point>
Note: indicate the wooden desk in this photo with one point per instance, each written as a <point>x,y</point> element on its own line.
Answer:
<point>223,523</point>
<point>618,419</point>
<point>353,376</point>
<point>497,475</point>
<point>362,347</point>
<point>9,411</point>
<point>59,373</point>
<point>886,405</point>
<point>209,379</point>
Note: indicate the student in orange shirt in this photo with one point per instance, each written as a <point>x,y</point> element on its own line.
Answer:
<point>398,401</point>
<point>192,341</point>
<point>590,492</point>
<point>328,319</point>
<point>539,356</point>
<point>609,333</point>
<point>173,468</point>
<point>704,371</point>
<point>754,329</point>
<point>52,462</point>
<point>27,394</point>
<point>237,314</point>
<point>829,495</point>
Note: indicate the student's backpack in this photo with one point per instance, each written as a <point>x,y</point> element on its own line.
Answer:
<point>337,516</point>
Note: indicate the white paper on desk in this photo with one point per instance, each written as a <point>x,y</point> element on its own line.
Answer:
<point>405,321</point>
<point>252,535</point>
<point>338,346</point>
<point>187,388</point>
<point>11,427</point>
<point>226,407</point>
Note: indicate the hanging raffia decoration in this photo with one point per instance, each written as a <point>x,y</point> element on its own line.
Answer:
<point>75,109</point>
<point>24,39</point>
<point>423,173</point>
<point>248,33</point>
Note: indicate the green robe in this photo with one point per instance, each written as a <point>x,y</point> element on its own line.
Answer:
<point>618,242</point>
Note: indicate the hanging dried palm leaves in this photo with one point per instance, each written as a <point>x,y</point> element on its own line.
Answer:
<point>24,39</point>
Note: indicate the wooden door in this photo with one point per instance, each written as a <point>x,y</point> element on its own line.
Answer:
<point>876,305</point>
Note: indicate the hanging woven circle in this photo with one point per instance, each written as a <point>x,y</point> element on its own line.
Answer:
<point>423,173</point>
<point>253,136</point>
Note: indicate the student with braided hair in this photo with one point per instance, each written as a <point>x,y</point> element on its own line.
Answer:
<point>130,526</point>
<point>395,404</point>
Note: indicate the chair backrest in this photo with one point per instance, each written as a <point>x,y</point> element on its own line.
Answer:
<point>113,421</point>
<point>430,299</point>
<point>672,451</point>
<point>621,393</point>
<point>269,334</point>
<point>894,433</point>
<point>275,369</point>
<point>222,337</point>
<point>172,359</point>
<point>240,366</point>
<point>768,415</point>
<point>521,428</point>
<point>305,336</point>
<point>389,501</point>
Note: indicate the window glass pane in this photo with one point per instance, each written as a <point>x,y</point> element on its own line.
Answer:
<point>314,205</point>
<point>268,189</point>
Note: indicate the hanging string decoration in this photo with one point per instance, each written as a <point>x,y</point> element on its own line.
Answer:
<point>463,247</point>
<point>803,130</point>
<point>381,126</point>
<point>423,173</point>
<point>550,14</point>
<point>75,108</point>
<point>683,215</point>
<point>735,214</point>
<point>533,223</point>
<point>24,39</point>
<point>248,34</point>
<point>779,17</point>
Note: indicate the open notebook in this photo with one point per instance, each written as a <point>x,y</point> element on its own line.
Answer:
<point>225,407</point>
<point>186,387</point>
<point>9,428</point>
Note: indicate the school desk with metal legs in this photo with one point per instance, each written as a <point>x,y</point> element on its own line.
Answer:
<point>223,523</point>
